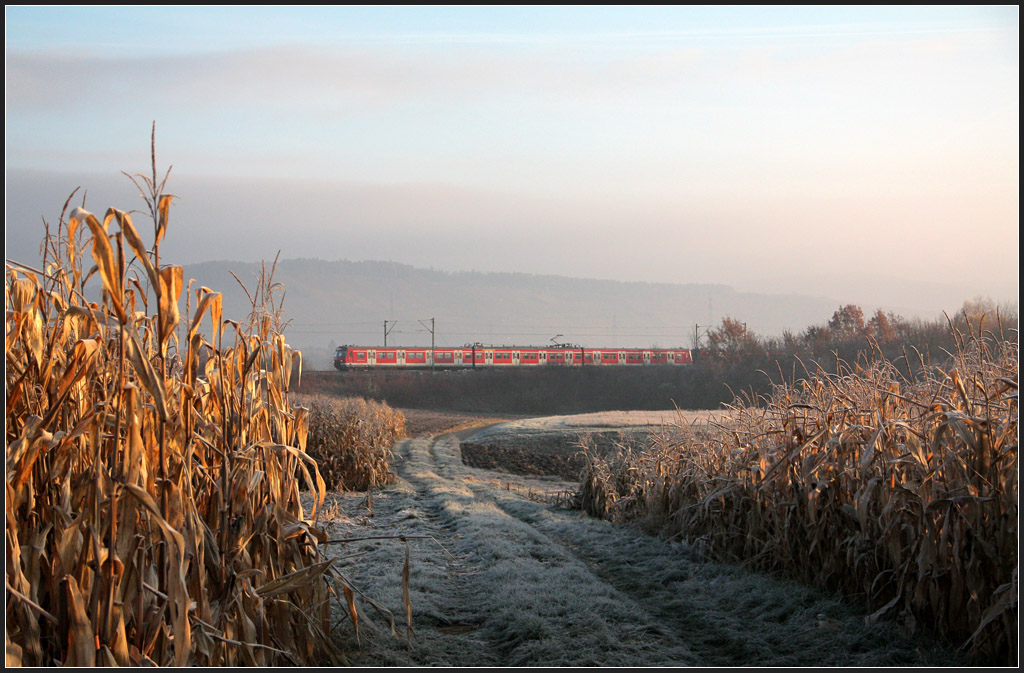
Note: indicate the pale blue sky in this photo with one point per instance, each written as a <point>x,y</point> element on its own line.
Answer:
<point>149,30</point>
<point>767,148</point>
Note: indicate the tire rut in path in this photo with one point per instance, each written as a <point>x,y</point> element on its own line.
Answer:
<point>444,633</point>
<point>536,602</point>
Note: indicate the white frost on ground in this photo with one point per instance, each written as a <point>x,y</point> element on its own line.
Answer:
<point>509,578</point>
<point>601,421</point>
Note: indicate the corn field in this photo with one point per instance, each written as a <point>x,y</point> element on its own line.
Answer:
<point>154,465</point>
<point>896,492</point>
<point>350,439</point>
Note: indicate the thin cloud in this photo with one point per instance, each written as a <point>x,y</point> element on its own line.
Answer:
<point>312,80</point>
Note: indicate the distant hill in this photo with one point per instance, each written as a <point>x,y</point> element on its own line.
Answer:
<point>329,303</point>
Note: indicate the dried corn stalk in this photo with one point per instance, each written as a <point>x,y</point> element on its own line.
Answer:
<point>351,441</point>
<point>904,492</point>
<point>154,465</point>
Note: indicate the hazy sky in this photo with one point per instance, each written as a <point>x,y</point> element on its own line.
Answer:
<point>862,152</point>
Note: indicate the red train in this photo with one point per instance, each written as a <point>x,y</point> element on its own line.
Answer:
<point>369,357</point>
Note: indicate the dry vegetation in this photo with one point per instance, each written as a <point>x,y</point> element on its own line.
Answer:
<point>419,422</point>
<point>153,467</point>
<point>350,439</point>
<point>900,492</point>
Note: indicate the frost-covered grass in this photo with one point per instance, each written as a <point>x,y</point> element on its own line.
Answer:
<point>577,424</point>
<point>510,580</point>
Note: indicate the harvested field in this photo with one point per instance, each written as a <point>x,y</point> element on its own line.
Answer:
<point>552,445</point>
<point>424,422</point>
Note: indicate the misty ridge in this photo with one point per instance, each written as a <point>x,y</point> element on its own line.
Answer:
<point>331,303</point>
<point>752,246</point>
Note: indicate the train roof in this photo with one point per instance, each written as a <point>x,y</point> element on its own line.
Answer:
<point>521,347</point>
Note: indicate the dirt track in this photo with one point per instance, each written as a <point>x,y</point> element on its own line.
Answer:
<point>507,577</point>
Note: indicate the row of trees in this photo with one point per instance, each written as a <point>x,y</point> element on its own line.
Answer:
<point>849,334</point>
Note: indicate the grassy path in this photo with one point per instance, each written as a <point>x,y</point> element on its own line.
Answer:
<point>509,578</point>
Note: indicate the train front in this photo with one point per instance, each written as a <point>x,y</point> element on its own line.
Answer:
<point>340,358</point>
